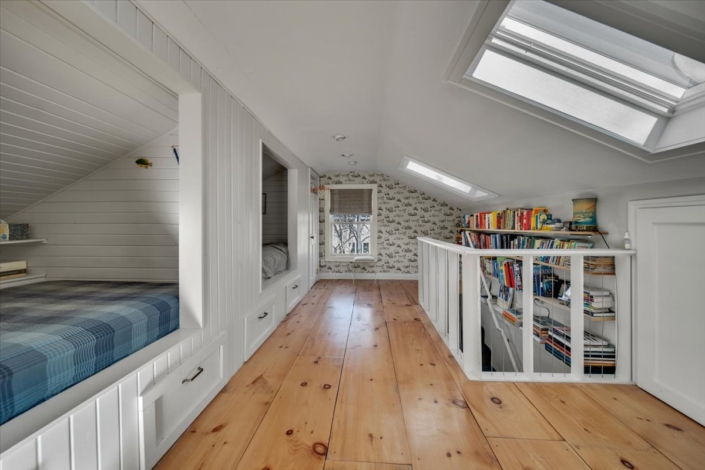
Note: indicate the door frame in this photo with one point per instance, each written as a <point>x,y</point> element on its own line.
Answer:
<point>633,208</point>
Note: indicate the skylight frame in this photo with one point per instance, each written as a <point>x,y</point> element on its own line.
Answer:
<point>489,13</point>
<point>476,193</point>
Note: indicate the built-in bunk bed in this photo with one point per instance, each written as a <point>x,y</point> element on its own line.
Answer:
<point>94,333</point>
<point>55,334</point>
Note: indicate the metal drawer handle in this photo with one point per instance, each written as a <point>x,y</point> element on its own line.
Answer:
<point>263,315</point>
<point>200,369</point>
<point>295,287</point>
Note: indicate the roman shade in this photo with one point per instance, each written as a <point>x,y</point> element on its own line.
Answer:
<point>351,201</point>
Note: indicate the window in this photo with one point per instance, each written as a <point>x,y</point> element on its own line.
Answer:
<point>634,95</point>
<point>351,221</point>
<point>440,178</point>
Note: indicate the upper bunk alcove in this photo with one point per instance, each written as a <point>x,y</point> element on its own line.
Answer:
<point>74,118</point>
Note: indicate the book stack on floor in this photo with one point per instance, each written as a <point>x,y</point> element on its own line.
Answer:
<point>598,303</point>
<point>599,355</point>
<point>12,270</point>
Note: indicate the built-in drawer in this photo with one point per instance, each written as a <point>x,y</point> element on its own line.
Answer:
<point>294,293</point>
<point>167,409</point>
<point>259,325</point>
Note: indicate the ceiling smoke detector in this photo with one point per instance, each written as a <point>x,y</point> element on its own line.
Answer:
<point>339,137</point>
<point>352,162</point>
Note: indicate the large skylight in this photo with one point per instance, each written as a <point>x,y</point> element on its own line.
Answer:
<point>564,96</point>
<point>593,74</point>
<point>443,179</point>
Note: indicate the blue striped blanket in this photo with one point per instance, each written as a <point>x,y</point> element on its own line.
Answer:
<point>55,334</point>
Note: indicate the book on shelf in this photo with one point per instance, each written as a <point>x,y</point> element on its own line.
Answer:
<point>12,270</point>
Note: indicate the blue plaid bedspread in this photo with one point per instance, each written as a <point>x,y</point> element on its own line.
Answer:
<point>55,334</point>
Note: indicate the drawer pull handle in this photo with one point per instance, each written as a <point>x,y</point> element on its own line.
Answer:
<point>200,369</point>
<point>295,287</point>
<point>263,315</point>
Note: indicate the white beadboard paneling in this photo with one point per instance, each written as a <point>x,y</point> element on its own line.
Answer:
<point>63,113</point>
<point>144,30</point>
<point>127,17</point>
<point>24,457</point>
<point>107,228</point>
<point>54,447</point>
<point>232,212</point>
<point>108,409</point>
<point>108,8</point>
<point>129,439</point>
<point>275,223</point>
<point>84,439</point>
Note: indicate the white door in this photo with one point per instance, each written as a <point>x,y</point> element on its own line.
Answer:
<point>313,230</point>
<point>670,306</point>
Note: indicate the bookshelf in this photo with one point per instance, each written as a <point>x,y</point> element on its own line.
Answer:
<point>556,303</point>
<point>561,267</point>
<point>536,232</point>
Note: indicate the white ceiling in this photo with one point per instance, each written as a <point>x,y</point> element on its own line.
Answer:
<point>67,107</point>
<point>374,71</point>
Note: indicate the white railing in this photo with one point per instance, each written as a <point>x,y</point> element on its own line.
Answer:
<point>459,300</point>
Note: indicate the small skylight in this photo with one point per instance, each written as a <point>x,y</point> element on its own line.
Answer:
<point>592,74</point>
<point>440,178</point>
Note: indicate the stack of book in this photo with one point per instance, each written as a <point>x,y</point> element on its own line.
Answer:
<point>501,241</point>
<point>541,327</point>
<point>598,303</point>
<point>599,264</point>
<point>599,355</point>
<point>513,316</point>
<point>12,270</point>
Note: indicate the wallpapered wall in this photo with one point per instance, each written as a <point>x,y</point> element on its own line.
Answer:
<point>404,213</point>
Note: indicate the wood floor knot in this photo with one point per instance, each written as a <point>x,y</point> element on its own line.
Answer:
<point>627,464</point>
<point>496,401</point>
<point>320,448</point>
<point>460,403</point>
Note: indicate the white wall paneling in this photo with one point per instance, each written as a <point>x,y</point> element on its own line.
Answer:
<point>228,183</point>
<point>113,233</point>
<point>67,107</point>
<point>275,223</point>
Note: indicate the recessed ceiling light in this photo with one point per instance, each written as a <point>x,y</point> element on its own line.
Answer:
<point>352,162</point>
<point>346,155</point>
<point>339,137</point>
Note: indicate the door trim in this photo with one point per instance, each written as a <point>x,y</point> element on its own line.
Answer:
<point>633,208</point>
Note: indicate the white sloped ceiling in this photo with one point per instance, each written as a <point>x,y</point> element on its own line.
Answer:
<point>63,113</point>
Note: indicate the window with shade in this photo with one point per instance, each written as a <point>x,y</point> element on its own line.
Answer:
<point>351,221</point>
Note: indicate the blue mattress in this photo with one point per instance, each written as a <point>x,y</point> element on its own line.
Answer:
<point>55,334</point>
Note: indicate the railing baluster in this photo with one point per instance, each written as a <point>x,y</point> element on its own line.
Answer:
<point>527,281</point>
<point>453,301</point>
<point>472,322</point>
<point>442,292</point>
<point>577,321</point>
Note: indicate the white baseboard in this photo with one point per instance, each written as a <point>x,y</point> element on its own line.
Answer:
<point>385,276</point>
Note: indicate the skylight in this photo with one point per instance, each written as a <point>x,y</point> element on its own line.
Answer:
<point>592,74</point>
<point>443,179</point>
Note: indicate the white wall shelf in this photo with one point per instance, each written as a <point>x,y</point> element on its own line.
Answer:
<point>18,281</point>
<point>29,240</point>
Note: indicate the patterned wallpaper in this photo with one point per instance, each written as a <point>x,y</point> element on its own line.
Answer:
<point>404,213</point>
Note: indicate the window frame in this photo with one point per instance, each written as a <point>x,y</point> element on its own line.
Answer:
<point>329,255</point>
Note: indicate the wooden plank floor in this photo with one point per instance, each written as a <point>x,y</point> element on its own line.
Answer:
<point>357,378</point>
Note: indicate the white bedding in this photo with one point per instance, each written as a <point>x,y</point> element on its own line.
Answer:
<point>275,259</point>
